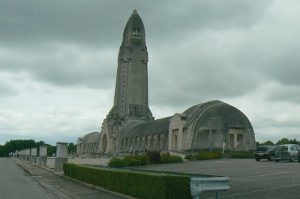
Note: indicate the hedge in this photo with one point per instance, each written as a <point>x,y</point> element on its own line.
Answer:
<point>204,155</point>
<point>240,154</point>
<point>167,158</point>
<point>135,160</point>
<point>135,183</point>
<point>140,160</point>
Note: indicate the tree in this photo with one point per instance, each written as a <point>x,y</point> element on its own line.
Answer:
<point>38,144</point>
<point>13,145</point>
<point>2,154</point>
<point>257,144</point>
<point>268,142</point>
<point>72,148</point>
<point>51,150</point>
<point>283,141</point>
<point>294,141</point>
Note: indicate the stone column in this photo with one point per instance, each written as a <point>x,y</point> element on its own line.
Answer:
<point>43,155</point>
<point>33,154</point>
<point>28,154</point>
<point>61,156</point>
<point>235,141</point>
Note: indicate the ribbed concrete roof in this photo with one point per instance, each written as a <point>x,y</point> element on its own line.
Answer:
<point>218,114</point>
<point>146,128</point>
<point>91,137</point>
<point>214,114</point>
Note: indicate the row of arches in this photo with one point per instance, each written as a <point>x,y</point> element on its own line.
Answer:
<point>88,147</point>
<point>142,143</point>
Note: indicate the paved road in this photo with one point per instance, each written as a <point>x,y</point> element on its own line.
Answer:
<point>248,178</point>
<point>15,183</point>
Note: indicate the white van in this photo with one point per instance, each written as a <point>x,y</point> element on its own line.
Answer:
<point>286,152</point>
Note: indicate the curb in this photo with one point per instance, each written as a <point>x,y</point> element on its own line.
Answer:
<point>19,162</point>
<point>21,165</point>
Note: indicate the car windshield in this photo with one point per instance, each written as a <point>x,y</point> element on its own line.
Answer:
<point>282,148</point>
<point>262,149</point>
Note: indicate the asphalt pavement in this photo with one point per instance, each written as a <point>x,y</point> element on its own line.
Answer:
<point>15,182</point>
<point>248,179</point>
<point>26,181</point>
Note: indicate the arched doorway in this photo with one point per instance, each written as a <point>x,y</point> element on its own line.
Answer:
<point>104,143</point>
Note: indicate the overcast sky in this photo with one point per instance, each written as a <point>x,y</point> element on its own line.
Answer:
<point>58,62</point>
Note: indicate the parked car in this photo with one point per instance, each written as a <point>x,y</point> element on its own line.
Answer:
<point>264,152</point>
<point>286,152</point>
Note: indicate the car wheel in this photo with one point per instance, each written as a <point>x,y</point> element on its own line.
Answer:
<point>257,159</point>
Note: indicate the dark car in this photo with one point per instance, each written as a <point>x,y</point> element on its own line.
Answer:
<point>264,152</point>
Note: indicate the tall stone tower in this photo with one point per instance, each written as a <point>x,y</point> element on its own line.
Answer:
<point>131,92</point>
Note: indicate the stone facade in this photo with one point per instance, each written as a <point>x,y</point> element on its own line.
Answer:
<point>201,127</point>
<point>88,144</point>
<point>130,126</point>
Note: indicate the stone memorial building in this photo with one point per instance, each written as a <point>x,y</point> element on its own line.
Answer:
<point>130,126</point>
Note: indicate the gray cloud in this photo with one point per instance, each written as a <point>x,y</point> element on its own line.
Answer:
<point>101,22</point>
<point>7,90</point>
<point>198,51</point>
<point>200,73</point>
<point>67,65</point>
<point>32,30</point>
<point>285,94</point>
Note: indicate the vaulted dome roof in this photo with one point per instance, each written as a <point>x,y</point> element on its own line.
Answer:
<point>91,137</point>
<point>216,114</point>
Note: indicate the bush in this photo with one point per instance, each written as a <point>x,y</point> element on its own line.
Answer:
<point>167,158</point>
<point>204,155</point>
<point>140,160</point>
<point>131,161</point>
<point>137,184</point>
<point>240,154</point>
<point>117,162</point>
<point>154,157</point>
<point>135,160</point>
<point>189,157</point>
<point>143,159</point>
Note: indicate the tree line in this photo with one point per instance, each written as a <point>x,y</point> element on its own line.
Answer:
<point>281,141</point>
<point>13,145</point>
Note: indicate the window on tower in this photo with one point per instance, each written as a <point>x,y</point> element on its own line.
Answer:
<point>136,31</point>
